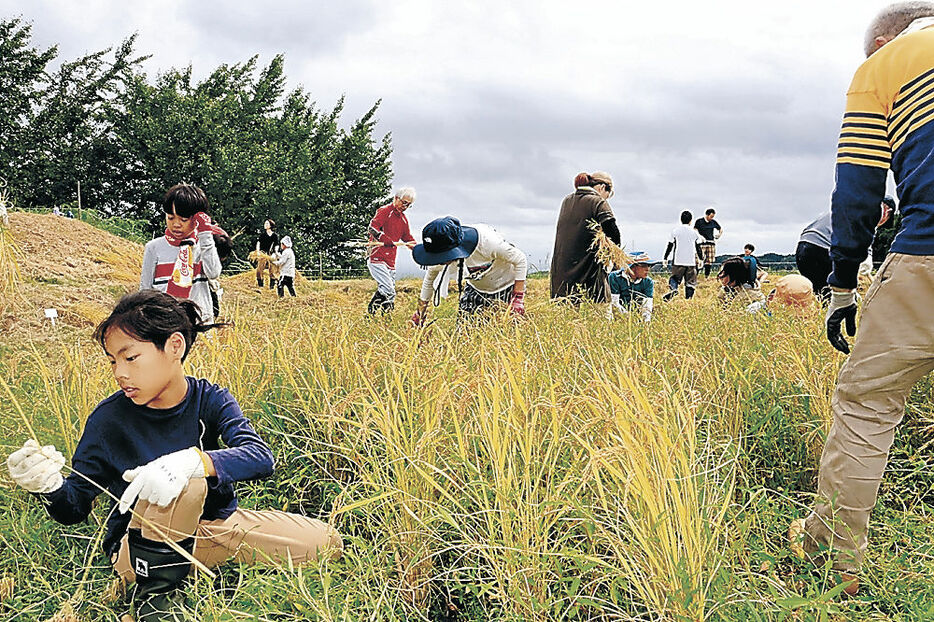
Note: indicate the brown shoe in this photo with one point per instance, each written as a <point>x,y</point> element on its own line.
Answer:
<point>798,542</point>
<point>852,581</point>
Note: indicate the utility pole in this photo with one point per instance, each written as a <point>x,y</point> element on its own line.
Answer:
<point>79,199</point>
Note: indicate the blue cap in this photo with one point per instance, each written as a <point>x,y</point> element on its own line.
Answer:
<point>444,240</point>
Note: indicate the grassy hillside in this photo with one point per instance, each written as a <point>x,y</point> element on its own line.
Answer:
<point>563,467</point>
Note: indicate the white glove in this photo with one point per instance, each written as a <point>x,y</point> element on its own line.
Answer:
<point>37,469</point>
<point>163,479</point>
<point>647,307</point>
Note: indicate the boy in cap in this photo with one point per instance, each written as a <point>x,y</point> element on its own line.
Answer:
<point>494,269</point>
<point>632,285</point>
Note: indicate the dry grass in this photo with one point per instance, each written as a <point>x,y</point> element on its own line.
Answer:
<point>562,467</point>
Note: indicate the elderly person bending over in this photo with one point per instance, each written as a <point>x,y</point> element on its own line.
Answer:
<point>388,229</point>
<point>887,126</point>
<point>494,269</point>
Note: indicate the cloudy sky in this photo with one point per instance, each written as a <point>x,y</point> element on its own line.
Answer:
<point>495,106</point>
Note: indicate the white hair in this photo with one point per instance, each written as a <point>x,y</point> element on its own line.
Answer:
<point>406,192</point>
<point>893,19</point>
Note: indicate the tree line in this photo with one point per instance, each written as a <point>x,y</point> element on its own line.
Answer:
<point>258,151</point>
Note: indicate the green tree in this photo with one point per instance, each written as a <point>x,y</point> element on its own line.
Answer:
<point>257,151</point>
<point>23,80</point>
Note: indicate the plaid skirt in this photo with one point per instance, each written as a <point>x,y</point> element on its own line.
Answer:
<point>709,250</point>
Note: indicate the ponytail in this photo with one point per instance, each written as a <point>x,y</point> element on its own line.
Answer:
<point>583,179</point>
<point>153,316</point>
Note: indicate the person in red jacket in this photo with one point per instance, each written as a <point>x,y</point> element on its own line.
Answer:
<point>388,229</point>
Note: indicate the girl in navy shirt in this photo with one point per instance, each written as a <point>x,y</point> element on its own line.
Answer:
<point>170,447</point>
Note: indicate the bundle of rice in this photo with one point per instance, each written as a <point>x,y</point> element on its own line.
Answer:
<point>608,254</point>
<point>264,262</point>
<point>255,256</point>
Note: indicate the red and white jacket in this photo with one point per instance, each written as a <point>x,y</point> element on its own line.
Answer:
<point>388,226</point>
<point>159,259</point>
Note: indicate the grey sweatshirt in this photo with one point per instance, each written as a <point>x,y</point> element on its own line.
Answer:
<point>159,259</point>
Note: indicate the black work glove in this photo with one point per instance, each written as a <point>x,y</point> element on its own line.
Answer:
<point>842,308</point>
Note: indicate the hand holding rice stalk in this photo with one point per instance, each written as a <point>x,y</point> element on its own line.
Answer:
<point>255,256</point>
<point>56,458</point>
<point>608,254</point>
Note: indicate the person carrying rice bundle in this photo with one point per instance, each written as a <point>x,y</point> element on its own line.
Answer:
<point>576,271</point>
<point>388,229</point>
<point>267,245</point>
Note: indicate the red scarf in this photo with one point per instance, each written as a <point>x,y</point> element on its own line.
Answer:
<point>179,284</point>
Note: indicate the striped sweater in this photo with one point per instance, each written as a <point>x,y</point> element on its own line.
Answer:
<point>889,106</point>
<point>159,259</point>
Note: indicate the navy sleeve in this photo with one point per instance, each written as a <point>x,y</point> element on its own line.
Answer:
<point>854,213</point>
<point>71,503</point>
<point>245,456</point>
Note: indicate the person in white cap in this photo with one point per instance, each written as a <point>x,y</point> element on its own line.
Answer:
<point>286,263</point>
<point>632,286</point>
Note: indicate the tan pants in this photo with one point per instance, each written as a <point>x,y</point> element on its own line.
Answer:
<point>262,265</point>
<point>247,535</point>
<point>894,348</point>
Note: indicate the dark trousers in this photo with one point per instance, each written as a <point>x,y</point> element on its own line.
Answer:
<point>285,281</point>
<point>472,300</point>
<point>815,265</point>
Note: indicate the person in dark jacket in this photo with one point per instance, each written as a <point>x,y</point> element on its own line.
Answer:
<point>169,447</point>
<point>575,272</point>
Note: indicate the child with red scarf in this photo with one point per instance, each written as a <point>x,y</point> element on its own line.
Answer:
<point>181,262</point>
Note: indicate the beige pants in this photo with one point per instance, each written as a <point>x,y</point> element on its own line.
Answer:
<point>262,265</point>
<point>894,348</point>
<point>246,536</point>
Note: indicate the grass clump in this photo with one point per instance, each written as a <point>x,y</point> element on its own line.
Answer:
<point>561,467</point>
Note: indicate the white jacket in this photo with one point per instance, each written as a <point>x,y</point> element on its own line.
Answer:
<point>286,263</point>
<point>492,267</point>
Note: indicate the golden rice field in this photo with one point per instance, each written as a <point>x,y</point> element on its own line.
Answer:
<point>564,467</point>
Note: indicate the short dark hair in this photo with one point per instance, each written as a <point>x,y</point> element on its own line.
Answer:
<point>686,217</point>
<point>272,223</point>
<point>737,270</point>
<point>154,316</point>
<point>710,211</point>
<point>186,200</point>
<point>751,248</point>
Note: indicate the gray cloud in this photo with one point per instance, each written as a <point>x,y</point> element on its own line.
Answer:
<point>293,27</point>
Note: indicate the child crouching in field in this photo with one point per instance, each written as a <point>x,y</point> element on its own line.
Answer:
<point>632,286</point>
<point>156,445</point>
